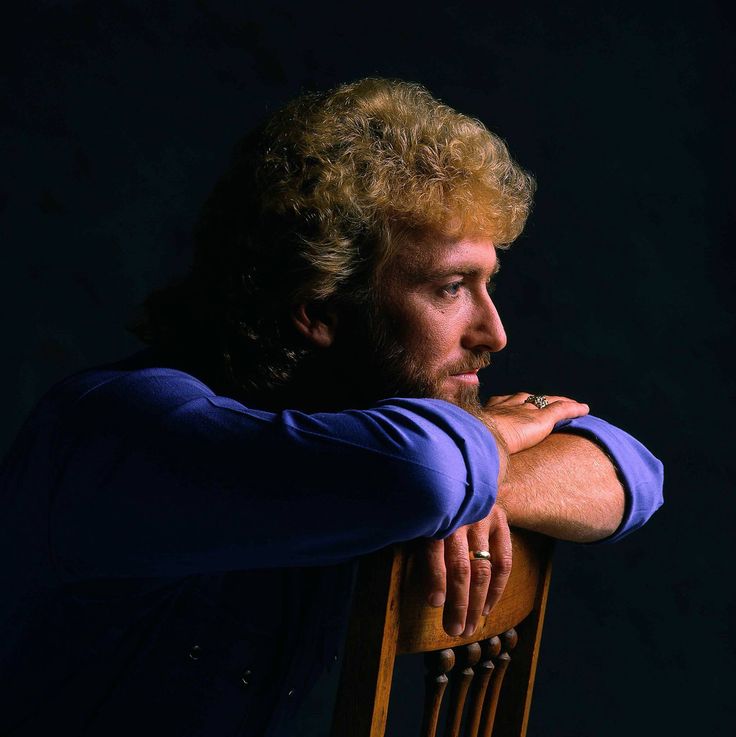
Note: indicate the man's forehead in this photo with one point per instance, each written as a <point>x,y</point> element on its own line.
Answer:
<point>434,258</point>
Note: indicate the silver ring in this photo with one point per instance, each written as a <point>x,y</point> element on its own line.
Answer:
<point>538,400</point>
<point>480,555</point>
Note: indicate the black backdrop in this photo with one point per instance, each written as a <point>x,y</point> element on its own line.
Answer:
<point>118,116</point>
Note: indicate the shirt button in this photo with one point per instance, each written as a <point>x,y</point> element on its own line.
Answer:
<point>195,652</point>
<point>245,678</point>
<point>291,692</point>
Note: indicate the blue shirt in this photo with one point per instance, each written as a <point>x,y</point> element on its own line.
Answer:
<point>177,564</point>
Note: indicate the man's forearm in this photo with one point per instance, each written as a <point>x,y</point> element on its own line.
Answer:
<point>565,487</point>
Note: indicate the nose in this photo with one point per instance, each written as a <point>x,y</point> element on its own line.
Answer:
<point>485,331</point>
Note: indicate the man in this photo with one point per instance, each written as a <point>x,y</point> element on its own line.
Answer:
<point>186,519</point>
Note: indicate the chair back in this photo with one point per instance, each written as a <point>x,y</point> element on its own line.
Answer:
<point>490,674</point>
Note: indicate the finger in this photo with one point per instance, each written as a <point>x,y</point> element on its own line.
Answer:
<point>519,398</point>
<point>457,564</point>
<point>499,543</point>
<point>565,409</point>
<point>432,557</point>
<point>523,398</point>
<point>480,575</point>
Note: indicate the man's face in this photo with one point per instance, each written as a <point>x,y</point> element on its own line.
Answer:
<point>434,323</point>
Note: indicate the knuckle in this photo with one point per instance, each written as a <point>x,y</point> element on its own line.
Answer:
<point>460,567</point>
<point>457,608</point>
<point>503,564</point>
<point>436,574</point>
<point>496,589</point>
<point>482,575</point>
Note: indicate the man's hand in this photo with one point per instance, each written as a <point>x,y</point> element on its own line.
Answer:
<point>521,425</point>
<point>468,588</point>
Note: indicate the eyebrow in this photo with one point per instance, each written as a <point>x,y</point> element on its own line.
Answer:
<point>471,272</point>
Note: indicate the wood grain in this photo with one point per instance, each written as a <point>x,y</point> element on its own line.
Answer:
<point>390,616</point>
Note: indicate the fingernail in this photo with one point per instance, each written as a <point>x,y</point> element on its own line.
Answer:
<point>486,611</point>
<point>468,631</point>
<point>455,629</point>
<point>436,599</point>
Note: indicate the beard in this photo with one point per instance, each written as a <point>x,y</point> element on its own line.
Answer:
<point>370,362</point>
<point>396,372</point>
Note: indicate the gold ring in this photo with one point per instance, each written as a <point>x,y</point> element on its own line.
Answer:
<point>480,555</point>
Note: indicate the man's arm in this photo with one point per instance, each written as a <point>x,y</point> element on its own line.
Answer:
<point>565,487</point>
<point>589,482</point>
<point>155,475</point>
<point>469,589</point>
<point>585,482</point>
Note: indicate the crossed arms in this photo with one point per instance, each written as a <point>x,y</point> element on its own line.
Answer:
<point>217,494</point>
<point>563,485</point>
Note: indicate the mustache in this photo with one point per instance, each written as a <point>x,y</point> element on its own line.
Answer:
<point>476,364</point>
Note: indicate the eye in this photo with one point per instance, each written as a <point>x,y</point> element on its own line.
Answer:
<point>452,290</point>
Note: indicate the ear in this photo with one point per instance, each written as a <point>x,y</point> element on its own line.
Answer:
<point>316,322</point>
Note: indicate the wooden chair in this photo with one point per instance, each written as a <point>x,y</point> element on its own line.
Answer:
<point>390,618</point>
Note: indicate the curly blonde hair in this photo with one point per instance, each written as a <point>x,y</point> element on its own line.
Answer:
<point>316,202</point>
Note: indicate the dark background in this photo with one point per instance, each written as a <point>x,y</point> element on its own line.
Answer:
<point>118,116</point>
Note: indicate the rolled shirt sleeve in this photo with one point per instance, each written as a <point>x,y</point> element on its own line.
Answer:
<point>641,474</point>
<point>157,475</point>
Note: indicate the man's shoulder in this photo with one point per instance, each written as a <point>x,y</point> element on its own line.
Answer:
<point>139,379</point>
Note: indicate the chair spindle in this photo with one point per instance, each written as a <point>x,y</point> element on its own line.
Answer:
<point>490,649</point>
<point>437,665</point>
<point>466,656</point>
<point>509,640</point>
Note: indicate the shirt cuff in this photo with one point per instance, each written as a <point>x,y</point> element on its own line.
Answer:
<point>640,472</point>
